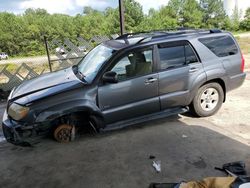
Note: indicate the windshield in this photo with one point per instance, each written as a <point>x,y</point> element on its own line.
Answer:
<point>93,61</point>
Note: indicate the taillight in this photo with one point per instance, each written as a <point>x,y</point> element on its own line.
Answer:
<point>242,63</point>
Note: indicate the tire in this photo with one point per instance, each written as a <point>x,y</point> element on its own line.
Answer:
<point>208,100</point>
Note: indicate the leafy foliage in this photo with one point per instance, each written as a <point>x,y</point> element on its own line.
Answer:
<point>245,24</point>
<point>235,19</point>
<point>23,34</point>
<point>214,14</point>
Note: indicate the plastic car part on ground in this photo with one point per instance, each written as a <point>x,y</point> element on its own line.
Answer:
<point>237,179</point>
<point>234,169</point>
<point>157,165</point>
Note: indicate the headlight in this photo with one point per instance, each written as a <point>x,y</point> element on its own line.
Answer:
<point>17,111</point>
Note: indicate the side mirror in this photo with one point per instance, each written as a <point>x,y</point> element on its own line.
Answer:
<point>110,77</point>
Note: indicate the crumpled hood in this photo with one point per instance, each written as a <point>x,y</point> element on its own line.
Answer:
<point>50,81</point>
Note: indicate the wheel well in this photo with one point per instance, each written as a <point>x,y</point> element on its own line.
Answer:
<point>222,84</point>
<point>79,119</point>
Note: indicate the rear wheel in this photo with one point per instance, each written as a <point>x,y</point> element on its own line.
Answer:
<point>208,100</point>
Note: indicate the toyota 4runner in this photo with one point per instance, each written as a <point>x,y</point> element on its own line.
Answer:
<point>134,78</point>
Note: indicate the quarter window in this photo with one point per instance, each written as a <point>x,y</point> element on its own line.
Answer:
<point>221,46</point>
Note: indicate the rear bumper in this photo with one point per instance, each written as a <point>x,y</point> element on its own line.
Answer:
<point>19,134</point>
<point>236,81</point>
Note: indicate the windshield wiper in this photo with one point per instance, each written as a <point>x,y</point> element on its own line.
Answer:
<point>82,76</point>
<point>79,73</point>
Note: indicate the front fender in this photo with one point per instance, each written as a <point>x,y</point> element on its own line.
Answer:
<point>62,109</point>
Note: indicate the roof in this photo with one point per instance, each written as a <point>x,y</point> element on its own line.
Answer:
<point>129,39</point>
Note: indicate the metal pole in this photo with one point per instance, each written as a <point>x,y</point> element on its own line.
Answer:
<point>121,10</point>
<point>47,51</point>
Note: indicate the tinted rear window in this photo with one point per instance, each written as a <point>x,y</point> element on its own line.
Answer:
<point>172,57</point>
<point>221,46</point>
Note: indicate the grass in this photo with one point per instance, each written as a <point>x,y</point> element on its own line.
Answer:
<point>239,32</point>
<point>244,43</point>
<point>11,67</point>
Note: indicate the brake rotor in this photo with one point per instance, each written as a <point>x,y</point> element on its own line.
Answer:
<point>64,133</point>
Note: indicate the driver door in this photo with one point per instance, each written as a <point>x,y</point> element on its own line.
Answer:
<point>136,92</point>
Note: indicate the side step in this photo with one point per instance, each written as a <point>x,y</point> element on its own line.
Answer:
<point>149,117</point>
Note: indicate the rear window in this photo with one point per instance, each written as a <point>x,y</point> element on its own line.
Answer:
<point>221,46</point>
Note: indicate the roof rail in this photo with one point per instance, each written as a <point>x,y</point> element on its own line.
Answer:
<point>164,33</point>
<point>127,35</point>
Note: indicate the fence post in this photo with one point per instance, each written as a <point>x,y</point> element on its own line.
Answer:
<point>121,12</point>
<point>47,51</point>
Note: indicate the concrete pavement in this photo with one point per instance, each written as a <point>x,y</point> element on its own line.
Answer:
<point>189,148</point>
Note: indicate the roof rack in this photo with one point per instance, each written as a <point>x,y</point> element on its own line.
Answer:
<point>162,33</point>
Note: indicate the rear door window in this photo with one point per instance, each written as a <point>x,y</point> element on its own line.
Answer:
<point>171,57</point>
<point>176,55</point>
<point>221,46</point>
<point>190,55</point>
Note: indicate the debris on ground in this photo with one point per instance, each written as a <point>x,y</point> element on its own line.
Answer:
<point>237,178</point>
<point>151,157</point>
<point>184,136</point>
<point>157,165</point>
<point>234,169</point>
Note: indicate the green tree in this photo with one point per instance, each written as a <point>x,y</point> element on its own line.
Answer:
<point>190,14</point>
<point>10,33</point>
<point>245,24</point>
<point>214,15</point>
<point>159,20</point>
<point>23,34</point>
<point>112,20</point>
<point>133,15</point>
<point>187,13</point>
<point>88,10</point>
<point>235,19</point>
<point>176,6</point>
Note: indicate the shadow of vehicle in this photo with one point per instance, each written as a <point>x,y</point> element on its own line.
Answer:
<point>120,158</point>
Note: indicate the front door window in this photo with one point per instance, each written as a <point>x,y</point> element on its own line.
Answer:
<point>134,64</point>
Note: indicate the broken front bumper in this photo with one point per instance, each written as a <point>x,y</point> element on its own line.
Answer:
<point>19,134</point>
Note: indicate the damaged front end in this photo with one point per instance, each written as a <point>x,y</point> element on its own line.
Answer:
<point>57,103</point>
<point>22,134</point>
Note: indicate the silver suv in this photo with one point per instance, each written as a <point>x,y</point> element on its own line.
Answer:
<point>131,79</point>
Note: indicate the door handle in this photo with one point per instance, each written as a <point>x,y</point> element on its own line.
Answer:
<point>193,69</point>
<point>150,80</point>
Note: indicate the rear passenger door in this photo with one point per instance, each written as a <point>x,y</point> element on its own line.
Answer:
<point>178,65</point>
